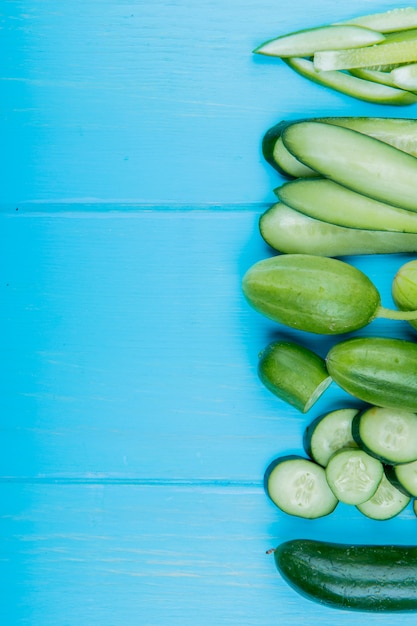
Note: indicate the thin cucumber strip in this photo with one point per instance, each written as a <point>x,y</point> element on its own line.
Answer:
<point>291,232</point>
<point>402,35</point>
<point>389,435</point>
<point>403,477</point>
<point>386,503</point>
<point>357,161</point>
<point>287,164</point>
<point>328,433</point>
<point>353,475</point>
<point>351,86</point>
<point>298,487</point>
<point>306,42</point>
<point>375,76</point>
<point>331,202</point>
<point>295,374</point>
<point>405,77</point>
<point>387,21</point>
<point>380,54</point>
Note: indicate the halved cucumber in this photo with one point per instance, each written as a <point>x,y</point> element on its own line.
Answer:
<point>328,433</point>
<point>403,477</point>
<point>357,161</point>
<point>386,503</point>
<point>353,475</point>
<point>331,202</point>
<point>387,21</point>
<point>290,231</point>
<point>379,54</point>
<point>390,435</point>
<point>306,42</point>
<point>298,486</point>
<point>351,85</point>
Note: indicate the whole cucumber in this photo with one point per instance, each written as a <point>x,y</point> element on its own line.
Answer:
<point>312,293</point>
<point>356,577</point>
<point>378,370</point>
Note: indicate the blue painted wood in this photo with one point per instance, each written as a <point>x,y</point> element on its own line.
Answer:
<point>134,430</point>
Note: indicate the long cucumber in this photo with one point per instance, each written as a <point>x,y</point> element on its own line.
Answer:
<point>328,201</point>
<point>355,160</point>
<point>289,231</point>
<point>398,19</point>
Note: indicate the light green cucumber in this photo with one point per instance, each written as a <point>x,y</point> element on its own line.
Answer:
<point>291,232</point>
<point>387,502</point>
<point>352,86</point>
<point>404,288</point>
<point>294,373</point>
<point>375,76</point>
<point>277,155</point>
<point>328,433</point>
<point>331,202</point>
<point>357,161</point>
<point>396,19</point>
<point>379,370</point>
<point>379,54</point>
<point>306,42</point>
<point>353,475</point>
<point>405,77</point>
<point>315,294</point>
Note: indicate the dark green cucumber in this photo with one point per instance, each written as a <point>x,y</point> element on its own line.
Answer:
<point>374,578</point>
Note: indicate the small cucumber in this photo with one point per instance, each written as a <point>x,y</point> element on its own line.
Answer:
<point>298,487</point>
<point>351,85</point>
<point>353,475</point>
<point>292,232</point>
<point>386,503</point>
<point>315,294</point>
<point>295,374</point>
<point>357,161</point>
<point>331,202</point>
<point>328,433</point>
<point>304,43</point>
<point>390,435</point>
<point>380,54</point>
<point>404,288</point>
<point>374,578</point>
<point>388,21</point>
<point>378,370</point>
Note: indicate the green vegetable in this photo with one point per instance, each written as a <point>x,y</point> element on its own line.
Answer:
<point>357,161</point>
<point>353,475</point>
<point>388,21</point>
<point>292,232</point>
<point>299,487</point>
<point>382,54</point>
<point>377,578</point>
<point>386,503</point>
<point>331,202</point>
<point>328,433</point>
<point>404,288</point>
<point>405,77</point>
<point>293,373</point>
<point>378,370</point>
<point>315,294</point>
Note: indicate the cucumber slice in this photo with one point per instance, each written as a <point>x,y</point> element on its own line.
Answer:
<point>295,374</point>
<point>379,54</point>
<point>375,76</point>
<point>386,503</point>
<point>328,201</point>
<point>328,433</point>
<point>361,163</point>
<point>387,21</point>
<point>306,42</point>
<point>405,77</point>
<point>289,231</point>
<point>351,86</point>
<point>287,164</point>
<point>299,487</point>
<point>389,435</point>
<point>403,477</point>
<point>353,475</point>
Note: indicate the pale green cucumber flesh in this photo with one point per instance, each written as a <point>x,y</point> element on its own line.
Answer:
<point>328,433</point>
<point>373,578</point>
<point>378,370</point>
<point>331,202</point>
<point>291,232</point>
<point>294,373</point>
<point>351,86</point>
<point>353,475</point>
<point>306,42</point>
<point>405,77</point>
<point>388,434</point>
<point>397,19</point>
<point>379,54</point>
<point>386,503</point>
<point>311,293</point>
<point>298,487</point>
<point>287,164</point>
<point>357,161</point>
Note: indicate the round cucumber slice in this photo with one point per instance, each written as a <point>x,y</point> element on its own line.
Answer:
<point>353,475</point>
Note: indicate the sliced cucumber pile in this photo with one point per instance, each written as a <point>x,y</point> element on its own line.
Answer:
<point>351,189</point>
<point>333,55</point>
<point>365,457</point>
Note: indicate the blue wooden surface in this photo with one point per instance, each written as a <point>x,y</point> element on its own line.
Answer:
<point>134,431</point>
